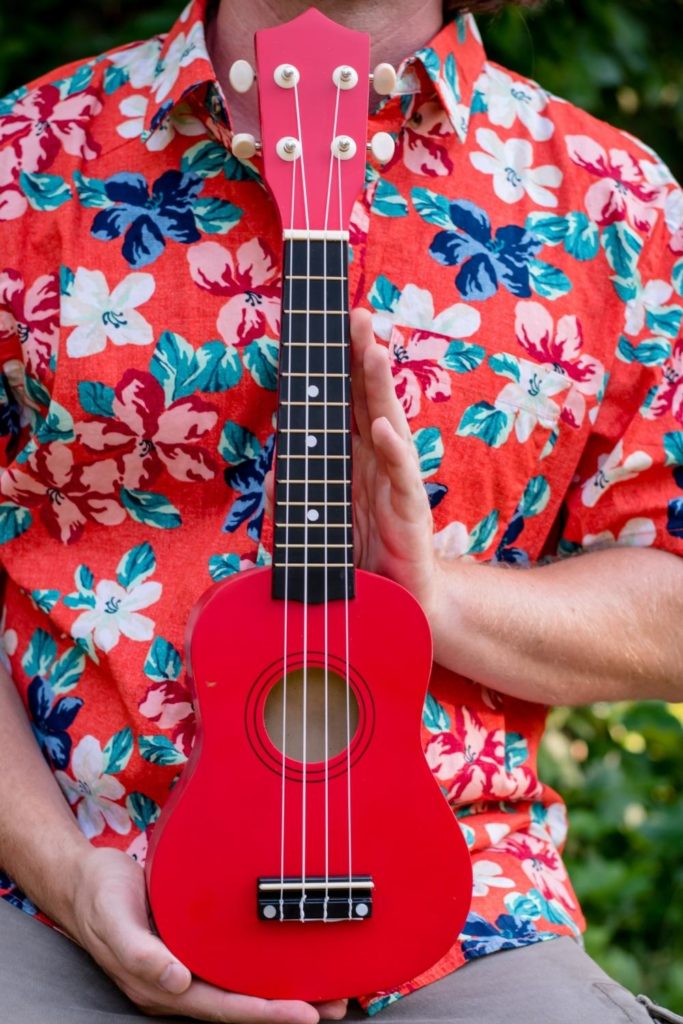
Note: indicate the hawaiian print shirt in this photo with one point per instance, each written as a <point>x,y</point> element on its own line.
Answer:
<point>524,264</point>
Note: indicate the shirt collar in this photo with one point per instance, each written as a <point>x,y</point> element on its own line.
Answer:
<point>449,65</point>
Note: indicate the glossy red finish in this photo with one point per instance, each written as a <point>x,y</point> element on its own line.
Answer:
<point>221,830</point>
<point>315,45</point>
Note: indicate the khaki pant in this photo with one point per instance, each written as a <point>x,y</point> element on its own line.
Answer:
<point>46,979</point>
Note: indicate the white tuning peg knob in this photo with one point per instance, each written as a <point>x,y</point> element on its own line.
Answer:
<point>384,79</point>
<point>382,147</point>
<point>241,76</point>
<point>244,145</point>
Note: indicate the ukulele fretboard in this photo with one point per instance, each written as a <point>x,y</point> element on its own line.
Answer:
<point>313,544</point>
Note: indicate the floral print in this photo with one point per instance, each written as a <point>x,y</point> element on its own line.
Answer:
<point>523,265</point>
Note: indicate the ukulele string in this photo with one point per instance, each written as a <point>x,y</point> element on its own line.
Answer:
<point>286,602</point>
<point>302,913</point>
<point>347,669</point>
<point>325,530</point>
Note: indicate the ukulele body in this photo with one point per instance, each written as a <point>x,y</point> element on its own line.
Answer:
<point>220,831</point>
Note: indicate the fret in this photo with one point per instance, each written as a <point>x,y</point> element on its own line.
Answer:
<point>316,344</point>
<point>323,546</point>
<point>313,565</point>
<point>316,277</point>
<point>300,455</point>
<point>302,373</point>
<point>309,429</point>
<point>313,480</point>
<point>313,526</point>
<point>314,312</point>
<point>305,504</point>
<point>325,405</point>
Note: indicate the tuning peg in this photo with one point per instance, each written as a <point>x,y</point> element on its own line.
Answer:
<point>244,145</point>
<point>241,76</point>
<point>384,79</point>
<point>382,147</point>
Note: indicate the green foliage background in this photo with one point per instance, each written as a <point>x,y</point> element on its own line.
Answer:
<point>621,766</point>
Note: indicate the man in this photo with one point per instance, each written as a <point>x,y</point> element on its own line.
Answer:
<point>523,402</point>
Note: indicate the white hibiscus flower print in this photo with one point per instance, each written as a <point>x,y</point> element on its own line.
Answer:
<point>181,53</point>
<point>488,875</point>
<point>180,122</point>
<point>613,469</point>
<point>117,613</point>
<point>530,399</point>
<point>509,99</point>
<point>93,792</point>
<point>510,164</point>
<point>99,315</point>
<point>649,299</point>
<point>415,309</point>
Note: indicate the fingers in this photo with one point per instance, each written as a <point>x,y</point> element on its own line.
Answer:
<point>397,457</point>
<point>380,393</point>
<point>269,491</point>
<point>362,338</point>
<point>204,1002</point>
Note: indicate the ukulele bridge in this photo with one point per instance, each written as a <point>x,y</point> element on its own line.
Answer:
<point>315,898</point>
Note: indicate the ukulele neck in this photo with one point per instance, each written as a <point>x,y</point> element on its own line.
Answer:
<point>313,543</point>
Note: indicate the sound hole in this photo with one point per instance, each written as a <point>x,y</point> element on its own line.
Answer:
<point>315,714</point>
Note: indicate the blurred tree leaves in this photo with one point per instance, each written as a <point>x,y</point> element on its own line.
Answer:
<point>620,767</point>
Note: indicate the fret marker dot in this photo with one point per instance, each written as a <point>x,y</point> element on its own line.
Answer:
<point>313,515</point>
<point>311,441</point>
<point>313,391</point>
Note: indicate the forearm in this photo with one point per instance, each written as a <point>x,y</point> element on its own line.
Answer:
<point>40,842</point>
<point>601,626</point>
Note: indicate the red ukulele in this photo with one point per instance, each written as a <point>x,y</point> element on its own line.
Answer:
<point>307,851</point>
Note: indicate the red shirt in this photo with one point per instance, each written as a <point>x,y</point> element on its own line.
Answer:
<point>524,265</point>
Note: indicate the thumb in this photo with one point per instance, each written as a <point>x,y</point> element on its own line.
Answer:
<point>269,488</point>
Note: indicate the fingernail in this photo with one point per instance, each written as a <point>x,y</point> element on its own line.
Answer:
<point>174,978</point>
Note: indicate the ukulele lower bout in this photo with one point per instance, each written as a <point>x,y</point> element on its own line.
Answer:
<point>250,865</point>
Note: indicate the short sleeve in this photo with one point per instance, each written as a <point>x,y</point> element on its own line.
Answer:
<point>628,487</point>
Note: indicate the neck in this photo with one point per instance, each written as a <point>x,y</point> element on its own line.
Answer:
<point>396,30</point>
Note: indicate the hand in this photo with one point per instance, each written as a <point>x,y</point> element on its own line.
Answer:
<point>392,517</point>
<point>110,920</point>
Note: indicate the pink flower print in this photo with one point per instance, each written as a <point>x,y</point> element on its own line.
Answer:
<point>622,192</point>
<point>41,124</point>
<point>148,437</point>
<point>470,760</point>
<point>169,704</point>
<point>416,370</point>
<point>32,314</point>
<point>560,348</point>
<point>673,214</point>
<point>669,395</point>
<point>421,144</point>
<point>542,864</point>
<point>250,280</point>
<point>66,494</point>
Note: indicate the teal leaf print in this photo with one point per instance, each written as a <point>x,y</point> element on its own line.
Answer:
<point>117,751</point>
<point>160,750</point>
<point>217,368</point>
<point>136,565</point>
<point>85,579</point>
<point>238,444</point>
<point>260,359</point>
<point>215,216</point>
<point>36,391</point>
<point>677,277</point>
<point>665,321</point>
<point>13,522</point>
<point>516,750</point>
<point>67,670</point>
<point>150,509</point>
<point>431,61</point>
<point>114,78</point>
<point>163,661</point>
<point>57,426</point>
<point>673,447</point>
<point>388,201</point>
<point>84,597</point>
<point>483,533</point>
<point>96,398</point>
<point>547,281</point>
<point>77,82</point>
<point>39,654</point>
<point>622,247</point>
<point>142,809</point>
<point>173,363</point>
<point>223,566</point>
<point>91,192</point>
<point>535,498</point>
<point>490,425</point>
<point>384,295</point>
<point>45,191</point>
<point>205,159</point>
<point>582,240</point>
<point>45,600</point>
<point>462,357</point>
<point>433,208</point>
<point>506,365</point>
<point>626,289</point>
<point>549,227</point>
<point>652,352</point>
<point>450,74</point>
<point>434,716</point>
<point>429,446</point>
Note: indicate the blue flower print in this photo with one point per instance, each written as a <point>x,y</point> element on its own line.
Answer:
<point>675,508</point>
<point>148,220</point>
<point>247,478</point>
<point>51,721</point>
<point>486,260</point>
<point>481,937</point>
<point>10,418</point>
<point>14,896</point>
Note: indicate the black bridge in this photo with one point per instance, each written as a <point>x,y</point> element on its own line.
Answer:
<point>316,898</point>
